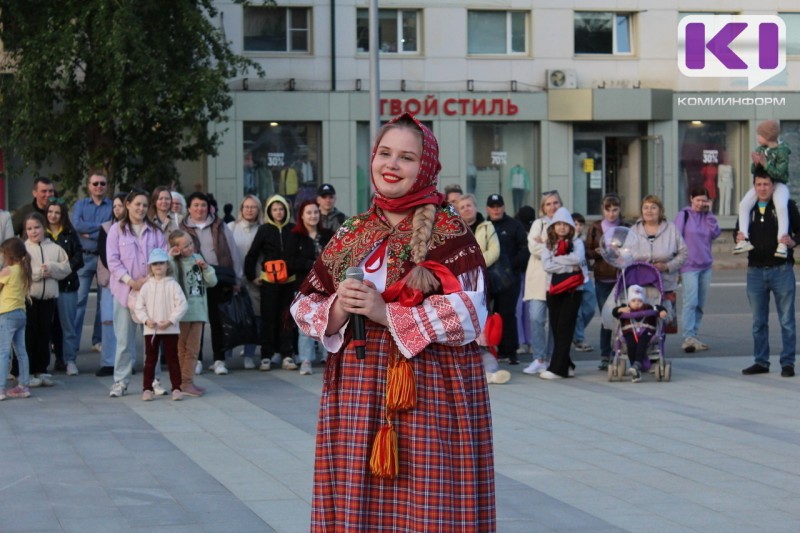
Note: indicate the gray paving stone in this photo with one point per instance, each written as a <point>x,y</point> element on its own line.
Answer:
<point>580,455</point>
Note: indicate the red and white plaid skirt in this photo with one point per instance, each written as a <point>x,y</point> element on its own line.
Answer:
<point>446,479</point>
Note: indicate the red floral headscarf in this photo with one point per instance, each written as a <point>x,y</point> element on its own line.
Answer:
<point>424,191</point>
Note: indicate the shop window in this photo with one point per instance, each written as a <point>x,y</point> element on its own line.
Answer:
<point>497,32</point>
<point>500,160</point>
<point>714,155</point>
<point>398,30</point>
<point>792,21</point>
<point>282,158</point>
<point>277,29</point>
<point>603,33</point>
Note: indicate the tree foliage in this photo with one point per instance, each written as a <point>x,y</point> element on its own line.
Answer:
<point>127,86</point>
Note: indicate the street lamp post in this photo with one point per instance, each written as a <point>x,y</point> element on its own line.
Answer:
<point>374,72</point>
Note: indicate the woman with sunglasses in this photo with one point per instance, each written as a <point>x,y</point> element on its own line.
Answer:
<point>65,339</point>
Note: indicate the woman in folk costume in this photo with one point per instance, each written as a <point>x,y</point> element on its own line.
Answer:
<point>404,440</point>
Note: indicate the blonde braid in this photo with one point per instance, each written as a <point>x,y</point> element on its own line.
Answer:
<point>421,278</point>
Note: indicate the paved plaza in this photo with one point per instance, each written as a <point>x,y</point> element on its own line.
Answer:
<point>709,451</point>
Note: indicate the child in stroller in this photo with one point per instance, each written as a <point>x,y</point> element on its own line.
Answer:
<point>638,322</point>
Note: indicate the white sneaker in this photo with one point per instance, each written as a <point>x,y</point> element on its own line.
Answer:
<point>498,377</point>
<point>219,368</point>
<point>535,367</point>
<point>46,380</point>
<point>35,382</point>
<point>635,374</point>
<point>523,349</point>
<point>688,346</point>
<point>782,252</point>
<point>742,247</point>
<point>198,368</point>
<point>158,390</point>
<point>248,363</point>
<point>266,365</point>
<point>701,346</point>
<point>571,373</point>
<point>97,347</point>
<point>305,368</point>
<point>72,369</point>
<point>117,390</point>
<point>549,375</point>
<point>288,364</point>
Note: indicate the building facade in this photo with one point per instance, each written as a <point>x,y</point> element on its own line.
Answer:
<point>525,96</point>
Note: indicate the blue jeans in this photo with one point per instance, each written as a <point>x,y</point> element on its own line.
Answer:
<point>603,290</point>
<point>12,333</point>
<point>108,338</point>
<point>695,289</point>
<point>306,348</point>
<point>780,281</point>
<point>86,274</point>
<point>65,306</point>
<point>541,340</point>
<point>586,311</point>
<point>125,330</point>
<point>523,320</point>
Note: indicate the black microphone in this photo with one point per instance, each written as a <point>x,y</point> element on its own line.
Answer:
<point>359,336</point>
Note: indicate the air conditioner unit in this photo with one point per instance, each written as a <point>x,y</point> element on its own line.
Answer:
<point>562,78</point>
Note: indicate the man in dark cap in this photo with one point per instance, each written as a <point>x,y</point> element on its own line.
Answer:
<point>330,217</point>
<point>514,246</point>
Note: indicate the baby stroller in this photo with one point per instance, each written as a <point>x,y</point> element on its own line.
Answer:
<point>649,278</point>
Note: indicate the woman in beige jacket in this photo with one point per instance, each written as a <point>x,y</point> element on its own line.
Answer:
<point>536,284</point>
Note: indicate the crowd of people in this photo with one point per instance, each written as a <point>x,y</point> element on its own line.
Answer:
<point>135,248</point>
<point>394,301</point>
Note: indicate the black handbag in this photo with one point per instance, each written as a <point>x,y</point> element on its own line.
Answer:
<point>501,275</point>
<point>238,321</point>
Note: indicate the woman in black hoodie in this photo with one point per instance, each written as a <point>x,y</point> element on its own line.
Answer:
<point>277,288</point>
<point>65,338</point>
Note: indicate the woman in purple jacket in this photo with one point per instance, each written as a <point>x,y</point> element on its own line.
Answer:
<point>698,226</point>
<point>128,246</point>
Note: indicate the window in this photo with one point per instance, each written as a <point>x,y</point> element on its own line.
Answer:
<point>603,33</point>
<point>398,30</point>
<point>500,159</point>
<point>792,21</point>
<point>714,155</point>
<point>276,29</point>
<point>282,158</point>
<point>496,32</point>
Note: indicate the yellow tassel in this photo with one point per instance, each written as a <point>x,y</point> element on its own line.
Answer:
<point>401,387</point>
<point>384,462</point>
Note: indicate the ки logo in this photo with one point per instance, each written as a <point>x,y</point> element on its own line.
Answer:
<point>752,46</point>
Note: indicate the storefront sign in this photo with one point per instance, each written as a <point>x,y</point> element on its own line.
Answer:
<point>596,181</point>
<point>499,158</point>
<point>588,165</point>
<point>452,106</point>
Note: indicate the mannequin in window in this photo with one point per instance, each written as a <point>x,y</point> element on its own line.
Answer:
<point>520,186</point>
<point>725,182</point>
<point>288,184</point>
<point>305,169</point>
